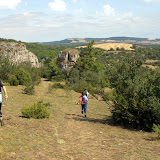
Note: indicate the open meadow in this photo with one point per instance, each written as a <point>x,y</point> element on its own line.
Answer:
<point>108,46</point>
<point>67,135</point>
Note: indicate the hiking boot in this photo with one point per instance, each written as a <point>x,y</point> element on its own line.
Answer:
<point>82,112</point>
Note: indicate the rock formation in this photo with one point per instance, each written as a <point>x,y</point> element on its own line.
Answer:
<point>67,58</point>
<point>17,53</point>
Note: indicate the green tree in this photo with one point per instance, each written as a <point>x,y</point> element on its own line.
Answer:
<point>51,70</point>
<point>23,77</point>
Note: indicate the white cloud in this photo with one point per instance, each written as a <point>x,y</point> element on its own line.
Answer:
<point>37,26</point>
<point>57,5</point>
<point>108,10</point>
<point>9,4</point>
<point>152,0</point>
<point>111,13</point>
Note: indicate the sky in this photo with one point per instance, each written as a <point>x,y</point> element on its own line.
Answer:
<point>54,20</point>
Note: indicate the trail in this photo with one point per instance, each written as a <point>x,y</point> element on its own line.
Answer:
<point>67,134</point>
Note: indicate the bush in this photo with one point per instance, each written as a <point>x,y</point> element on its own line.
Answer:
<point>13,81</point>
<point>23,77</point>
<point>156,128</point>
<point>80,85</point>
<point>109,95</point>
<point>29,90</point>
<point>6,67</point>
<point>34,72</point>
<point>58,85</point>
<point>57,78</point>
<point>37,110</point>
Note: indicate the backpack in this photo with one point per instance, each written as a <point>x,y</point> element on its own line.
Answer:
<point>84,99</point>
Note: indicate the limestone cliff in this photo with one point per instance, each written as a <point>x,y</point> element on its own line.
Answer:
<point>17,53</point>
<point>67,58</point>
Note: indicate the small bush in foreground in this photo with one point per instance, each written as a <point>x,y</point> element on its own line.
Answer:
<point>37,110</point>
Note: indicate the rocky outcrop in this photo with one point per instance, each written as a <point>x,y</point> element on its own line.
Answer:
<point>67,58</point>
<point>17,53</point>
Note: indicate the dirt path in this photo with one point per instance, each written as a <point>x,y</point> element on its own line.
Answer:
<point>67,134</point>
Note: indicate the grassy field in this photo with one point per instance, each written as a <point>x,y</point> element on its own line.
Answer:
<point>108,46</point>
<point>67,135</point>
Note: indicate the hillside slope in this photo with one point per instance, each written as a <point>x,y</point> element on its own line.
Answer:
<point>67,135</point>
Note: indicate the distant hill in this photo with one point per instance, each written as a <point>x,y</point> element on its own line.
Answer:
<point>83,41</point>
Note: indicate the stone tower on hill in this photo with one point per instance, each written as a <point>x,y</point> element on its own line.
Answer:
<point>67,59</point>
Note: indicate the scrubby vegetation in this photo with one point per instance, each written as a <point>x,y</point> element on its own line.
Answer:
<point>37,110</point>
<point>29,89</point>
<point>156,128</point>
<point>50,69</point>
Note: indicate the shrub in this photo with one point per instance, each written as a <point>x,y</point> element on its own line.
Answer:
<point>35,76</point>
<point>58,78</point>
<point>80,85</point>
<point>34,72</point>
<point>29,90</point>
<point>156,128</point>
<point>13,81</point>
<point>23,77</point>
<point>6,67</point>
<point>109,95</point>
<point>37,110</point>
<point>58,85</point>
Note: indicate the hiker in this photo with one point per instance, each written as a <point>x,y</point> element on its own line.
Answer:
<point>86,92</point>
<point>85,100</point>
<point>82,103</point>
<point>5,95</point>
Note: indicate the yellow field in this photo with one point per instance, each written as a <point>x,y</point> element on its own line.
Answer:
<point>108,46</point>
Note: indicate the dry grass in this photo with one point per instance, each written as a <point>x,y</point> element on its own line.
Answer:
<point>151,61</point>
<point>150,66</point>
<point>108,46</point>
<point>67,135</point>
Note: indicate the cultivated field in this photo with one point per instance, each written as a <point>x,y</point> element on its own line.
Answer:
<point>108,46</point>
<point>67,135</point>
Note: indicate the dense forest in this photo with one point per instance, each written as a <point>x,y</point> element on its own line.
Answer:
<point>133,78</point>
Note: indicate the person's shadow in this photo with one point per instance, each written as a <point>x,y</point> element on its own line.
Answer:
<point>106,120</point>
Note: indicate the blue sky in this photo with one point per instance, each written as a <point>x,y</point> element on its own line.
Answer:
<point>51,20</point>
